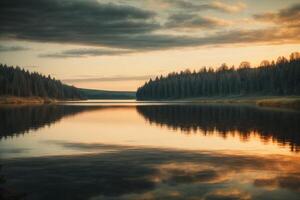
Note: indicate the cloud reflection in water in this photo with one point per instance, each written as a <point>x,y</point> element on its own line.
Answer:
<point>148,173</point>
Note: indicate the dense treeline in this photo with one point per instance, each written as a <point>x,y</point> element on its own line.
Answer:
<point>270,78</point>
<point>15,81</point>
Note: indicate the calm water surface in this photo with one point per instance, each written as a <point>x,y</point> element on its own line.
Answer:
<point>131,150</point>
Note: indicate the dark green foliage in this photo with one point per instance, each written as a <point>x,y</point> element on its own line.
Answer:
<point>21,83</point>
<point>280,78</point>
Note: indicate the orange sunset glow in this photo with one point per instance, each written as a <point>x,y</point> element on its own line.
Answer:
<point>146,39</point>
<point>150,100</point>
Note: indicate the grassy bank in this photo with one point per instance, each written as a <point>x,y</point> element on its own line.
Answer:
<point>264,101</point>
<point>7,100</point>
<point>280,103</point>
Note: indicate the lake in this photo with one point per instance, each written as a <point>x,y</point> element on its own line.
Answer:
<point>153,150</point>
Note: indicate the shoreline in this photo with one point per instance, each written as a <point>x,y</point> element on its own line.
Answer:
<point>13,100</point>
<point>291,102</point>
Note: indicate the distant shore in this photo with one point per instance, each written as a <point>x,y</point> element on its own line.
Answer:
<point>292,102</point>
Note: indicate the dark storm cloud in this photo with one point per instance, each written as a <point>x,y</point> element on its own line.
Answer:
<point>216,5</point>
<point>268,35</point>
<point>287,16</point>
<point>188,21</point>
<point>12,48</point>
<point>122,27</point>
<point>148,42</point>
<point>72,21</point>
<point>74,53</point>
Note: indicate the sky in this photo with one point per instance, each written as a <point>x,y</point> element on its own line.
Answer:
<point>120,44</point>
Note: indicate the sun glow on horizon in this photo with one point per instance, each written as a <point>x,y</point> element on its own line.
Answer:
<point>146,39</point>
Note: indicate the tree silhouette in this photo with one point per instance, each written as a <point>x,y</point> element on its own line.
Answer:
<point>21,83</point>
<point>270,78</point>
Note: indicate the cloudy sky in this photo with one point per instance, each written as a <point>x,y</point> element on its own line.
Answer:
<point>118,45</point>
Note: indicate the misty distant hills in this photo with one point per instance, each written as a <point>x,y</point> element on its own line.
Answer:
<point>105,94</point>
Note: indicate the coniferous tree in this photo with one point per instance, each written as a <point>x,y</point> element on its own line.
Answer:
<point>270,78</point>
<point>21,83</point>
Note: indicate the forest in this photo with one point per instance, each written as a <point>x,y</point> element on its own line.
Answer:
<point>269,78</point>
<point>15,81</point>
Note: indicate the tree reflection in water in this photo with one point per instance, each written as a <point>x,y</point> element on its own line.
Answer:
<point>19,120</point>
<point>280,126</point>
<point>153,173</point>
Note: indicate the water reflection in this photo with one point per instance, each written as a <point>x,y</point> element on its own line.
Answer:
<point>147,173</point>
<point>280,126</point>
<point>110,152</point>
<point>21,119</point>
